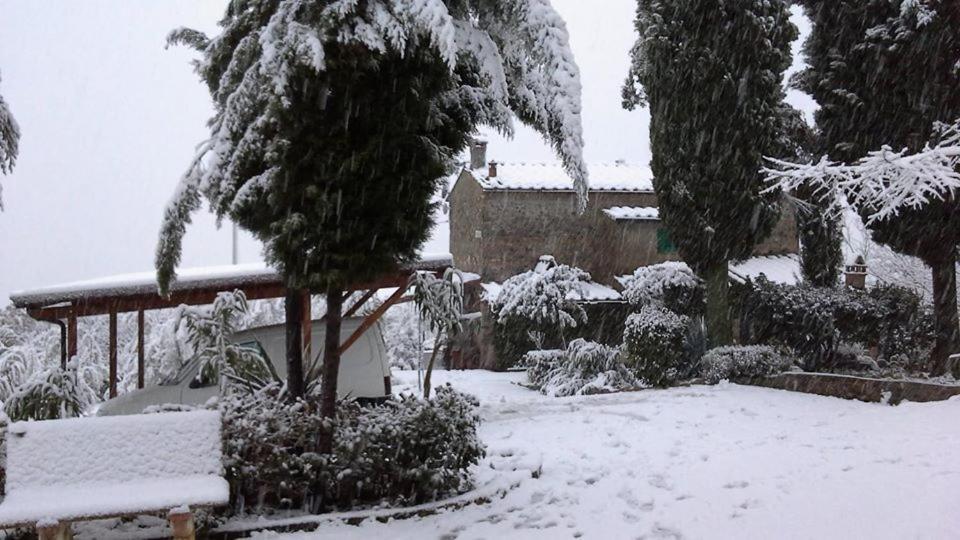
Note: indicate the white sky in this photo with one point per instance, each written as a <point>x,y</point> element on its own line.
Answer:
<point>110,119</point>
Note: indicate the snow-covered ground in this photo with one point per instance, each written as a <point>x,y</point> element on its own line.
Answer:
<point>725,461</point>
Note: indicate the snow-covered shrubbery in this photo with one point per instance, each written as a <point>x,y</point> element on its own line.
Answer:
<point>537,310</point>
<point>406,451</point>
<point>815,321</point>
<point>742,361</point>
<point>670,284</point>
<point>654,345</point>
<point>401,335</point>
<point>584,367</point>
<point>51,394</point>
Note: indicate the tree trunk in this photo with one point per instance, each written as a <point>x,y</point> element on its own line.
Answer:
<point>719,326</point>
<point>946,324</point>
<point>433,357</point>
<point>331,364</point>
<point>293,307</point>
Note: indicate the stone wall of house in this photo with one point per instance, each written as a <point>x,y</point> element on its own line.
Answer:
<point>498,234</point>
<point>783,239</point>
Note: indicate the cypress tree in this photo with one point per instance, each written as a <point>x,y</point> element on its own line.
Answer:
<point>334,124</point>
<point>711,74</point>
<point>884,73</point>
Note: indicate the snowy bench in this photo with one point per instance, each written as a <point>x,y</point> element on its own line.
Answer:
<point>79,469</point>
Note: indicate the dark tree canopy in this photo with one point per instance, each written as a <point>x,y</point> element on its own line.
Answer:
<point>711,73</point>
<point>883,78</point>
<point>885,73</point>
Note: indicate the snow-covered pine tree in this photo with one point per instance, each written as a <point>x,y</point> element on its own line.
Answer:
<point>711,74</point>
<point>884,72</point>
<point>335,119</point>
<point>9,142</point>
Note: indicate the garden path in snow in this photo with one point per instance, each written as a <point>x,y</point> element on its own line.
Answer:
<point>722,461</point>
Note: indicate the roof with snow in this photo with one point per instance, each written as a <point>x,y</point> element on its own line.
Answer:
<point>188,279</point>
<point>632,213</point>
<point>550,176</point>
<point>590,292</point>
<point>783,269</point>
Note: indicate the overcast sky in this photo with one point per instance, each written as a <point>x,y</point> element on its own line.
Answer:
<point>110,120</point>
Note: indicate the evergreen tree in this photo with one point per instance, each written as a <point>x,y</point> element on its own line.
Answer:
<point>335,120</point>
<point>819,229</point>
<point>884,73</point>
<point>711,74</point>
<point>9,142</point>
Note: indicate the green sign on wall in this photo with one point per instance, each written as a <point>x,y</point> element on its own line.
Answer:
<point>664,244</point>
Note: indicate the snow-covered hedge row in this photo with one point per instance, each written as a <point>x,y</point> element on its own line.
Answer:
<point>408,450</point>
<point>742,361</point>
<point>814,321</point>
<point>654,345</point>
<point>584,367</point>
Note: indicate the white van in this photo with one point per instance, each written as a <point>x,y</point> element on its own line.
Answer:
<point>364,369</point>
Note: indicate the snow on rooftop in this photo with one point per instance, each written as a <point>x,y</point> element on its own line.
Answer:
<point>187,279</point>
<point>632,213</point>
<point>589,292</point>
<point>550,176</point>
<point>80,467</point>
<point>783,269</point>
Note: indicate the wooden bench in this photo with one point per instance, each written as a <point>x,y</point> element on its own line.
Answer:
<point>77,469</point>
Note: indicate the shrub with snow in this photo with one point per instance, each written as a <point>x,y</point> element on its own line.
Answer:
<point>814,321</point>
<point>537,309</point>
<point>405,451</point>
<point>584,367</point>
<point>669,284</point>
<point>742,361</point>
<point>654,345</point>
<point>51,394</point>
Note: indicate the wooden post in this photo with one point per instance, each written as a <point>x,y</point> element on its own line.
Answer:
<point>371,319</point>
<point>113,354</point>
<point>54,531</point>
<point>140,348</point>
<point>359,303</point>
<point>181,521</point>
<point>71,335</point>
<point>306,330</point>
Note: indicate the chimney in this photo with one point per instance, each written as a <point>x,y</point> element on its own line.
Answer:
<point>855,275</point>
<point>492,173</point>
<point>478,154</point>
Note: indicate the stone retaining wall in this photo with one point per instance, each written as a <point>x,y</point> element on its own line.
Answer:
<point>849,387</point>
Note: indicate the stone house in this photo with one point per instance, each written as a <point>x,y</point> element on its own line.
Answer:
<point>504,216</point>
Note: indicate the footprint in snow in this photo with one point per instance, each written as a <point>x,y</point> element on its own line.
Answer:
<point>736,485</point>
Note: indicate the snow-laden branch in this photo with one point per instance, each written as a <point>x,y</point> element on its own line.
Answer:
<point>884,182</point>
<point>9,142</point>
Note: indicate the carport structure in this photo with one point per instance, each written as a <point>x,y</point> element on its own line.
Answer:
<point>63,304</point>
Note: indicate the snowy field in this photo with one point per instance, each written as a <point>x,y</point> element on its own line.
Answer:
<point>725,461</point>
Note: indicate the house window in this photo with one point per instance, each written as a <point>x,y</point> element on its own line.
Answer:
<point>664,244</point>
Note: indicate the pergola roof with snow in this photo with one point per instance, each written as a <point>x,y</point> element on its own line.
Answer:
<point>128,292</point>
<point>550,176</point>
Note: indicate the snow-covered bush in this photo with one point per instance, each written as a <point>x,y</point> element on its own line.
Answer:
<point>408,450</point>
<point>742,361</point>
<point>669,284</point>
<point>654,345</point>
<point>537,309</point>
<point>583,368</point>
<point>401,335</point>
<point>814,321</point>
<point>50,394</point>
